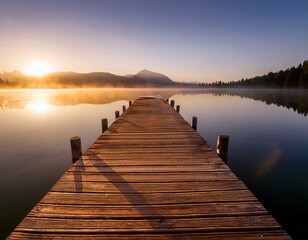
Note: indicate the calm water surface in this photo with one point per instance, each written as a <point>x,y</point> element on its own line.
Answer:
<point>268,143</point>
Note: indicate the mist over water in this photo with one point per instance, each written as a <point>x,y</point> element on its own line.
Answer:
<point>268,141</point>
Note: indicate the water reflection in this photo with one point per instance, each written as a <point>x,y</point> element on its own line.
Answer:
<point>40,106</point>
<point>21,98</point>
<point>297,100</point>
<point>8,103</point>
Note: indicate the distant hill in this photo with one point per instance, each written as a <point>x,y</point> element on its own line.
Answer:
<point>144,78</point>
<point>103,79</point>
<point>12,76</point>
<point>153,77</point>
<point>100,79</point>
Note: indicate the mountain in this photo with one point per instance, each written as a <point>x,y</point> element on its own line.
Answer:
<point>154,77</point>
<point>143,79</point>
<point>99,79</point>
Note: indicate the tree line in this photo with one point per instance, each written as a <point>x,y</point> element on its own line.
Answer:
<point>294,77</point>
<point>6,84</point>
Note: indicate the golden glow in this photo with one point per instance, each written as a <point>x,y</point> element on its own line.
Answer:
<point>38,68</point>
<point>40,106</point>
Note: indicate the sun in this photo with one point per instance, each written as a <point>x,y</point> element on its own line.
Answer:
<point>38,68</point>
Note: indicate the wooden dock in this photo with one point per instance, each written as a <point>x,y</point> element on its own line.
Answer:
<point>149,176</point>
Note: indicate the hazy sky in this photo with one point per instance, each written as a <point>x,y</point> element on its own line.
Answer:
<point>187,40</point>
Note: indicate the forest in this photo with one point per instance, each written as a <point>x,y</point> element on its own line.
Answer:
<point>6,84</point>
<point>294,77</point>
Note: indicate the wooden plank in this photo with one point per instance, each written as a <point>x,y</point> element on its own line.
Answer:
<point>146,198</point>
<point>142,211</point>
<point>204,158</point>
<point>54,225</point>
<point>243,235</point>
<point>108,187</point>
<point>149,176</point>
<point>139,161</point>
<point>159,155</point>
<point>148,169</point>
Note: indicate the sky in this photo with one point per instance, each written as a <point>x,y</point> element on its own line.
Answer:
<point>191,41</point>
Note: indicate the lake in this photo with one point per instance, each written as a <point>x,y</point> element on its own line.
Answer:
<point>268,147</point>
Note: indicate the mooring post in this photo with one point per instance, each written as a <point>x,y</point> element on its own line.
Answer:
<point>172,103</point>
<point>124,108</point>
<point>194,122</point>
<point>130,103</point>
<point>222,147</point>
<point>178,108</point>
<point>76,148</point>
<point>117,114</point>
<point>104,124</point>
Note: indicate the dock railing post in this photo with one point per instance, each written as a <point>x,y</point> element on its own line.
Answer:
<point>75,148</point>
<point>172,103</point>
<point>194,121</point>
<point>117,114</point>
<point>104,124</point>
<point>124,108</point>
<point>130,103</point>
<point>222,147</point>
<point>178,108</point>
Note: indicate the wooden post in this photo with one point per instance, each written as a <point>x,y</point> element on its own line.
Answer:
<point>124,108</point>
<point>76,148</point>
<point>178,108</point>
<point>117,114</point>
<point>194,121</point>
<point>222,147</point>
<point>130,102</point>
<point>104,124</point>
<point>167,100</point>
<point>172,103</point>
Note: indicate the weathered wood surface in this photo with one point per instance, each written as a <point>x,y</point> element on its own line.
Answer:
<point>149,176</point>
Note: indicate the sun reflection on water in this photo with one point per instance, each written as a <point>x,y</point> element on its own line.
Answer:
<point>40,106</point>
